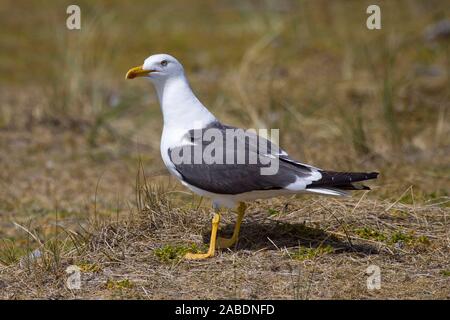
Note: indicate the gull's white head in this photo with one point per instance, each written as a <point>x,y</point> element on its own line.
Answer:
<point>158,68</point>
<point>179,105</point>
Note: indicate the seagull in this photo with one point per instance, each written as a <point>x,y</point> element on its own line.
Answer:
<point>229,184</point>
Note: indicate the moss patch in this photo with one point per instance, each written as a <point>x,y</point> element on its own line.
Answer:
<point>372,234</point>
<point>90,267</point>
<point>119,284</point>
<point>305,253</point>
<point>445,273</point>
<point>169,253</point>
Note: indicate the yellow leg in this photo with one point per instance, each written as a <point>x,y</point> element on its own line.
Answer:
<point>212,242</point>
<point>227,243</point>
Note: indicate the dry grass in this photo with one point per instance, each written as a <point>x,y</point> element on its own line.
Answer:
<point>302,249</point>
<point>73,134</point>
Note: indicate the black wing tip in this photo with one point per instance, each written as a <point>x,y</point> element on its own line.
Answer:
<point>373,175</point>
<point>343,180</point>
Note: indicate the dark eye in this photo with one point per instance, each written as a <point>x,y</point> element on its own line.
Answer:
<point>164,63</point>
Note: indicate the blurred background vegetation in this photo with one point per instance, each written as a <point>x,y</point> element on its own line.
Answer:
<point>344,97</point>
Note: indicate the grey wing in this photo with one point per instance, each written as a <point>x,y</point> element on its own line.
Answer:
<point>223,177</point>
<point>271,150</point>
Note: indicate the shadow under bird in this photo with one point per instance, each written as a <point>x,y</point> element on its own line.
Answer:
<point>227,184</point>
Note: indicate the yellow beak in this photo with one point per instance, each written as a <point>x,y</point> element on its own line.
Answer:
<point>137,72</point>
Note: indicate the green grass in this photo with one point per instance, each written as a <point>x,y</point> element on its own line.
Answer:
<point>10,253</point>
<point>304,253</point>
<point>273,212</point>
<point>89,267</point>
<point>398,236</point>
<point>445,273</point>
<point>368,233</point>
<point>171,253</point>
<point>122,284</point>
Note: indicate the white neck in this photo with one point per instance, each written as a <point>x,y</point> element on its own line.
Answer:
<point>180,106</point>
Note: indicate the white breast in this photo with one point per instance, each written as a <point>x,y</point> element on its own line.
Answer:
<point>170,139</point>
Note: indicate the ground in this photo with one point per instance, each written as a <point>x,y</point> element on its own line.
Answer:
<point>300,249</point>
<point>82,183</point>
